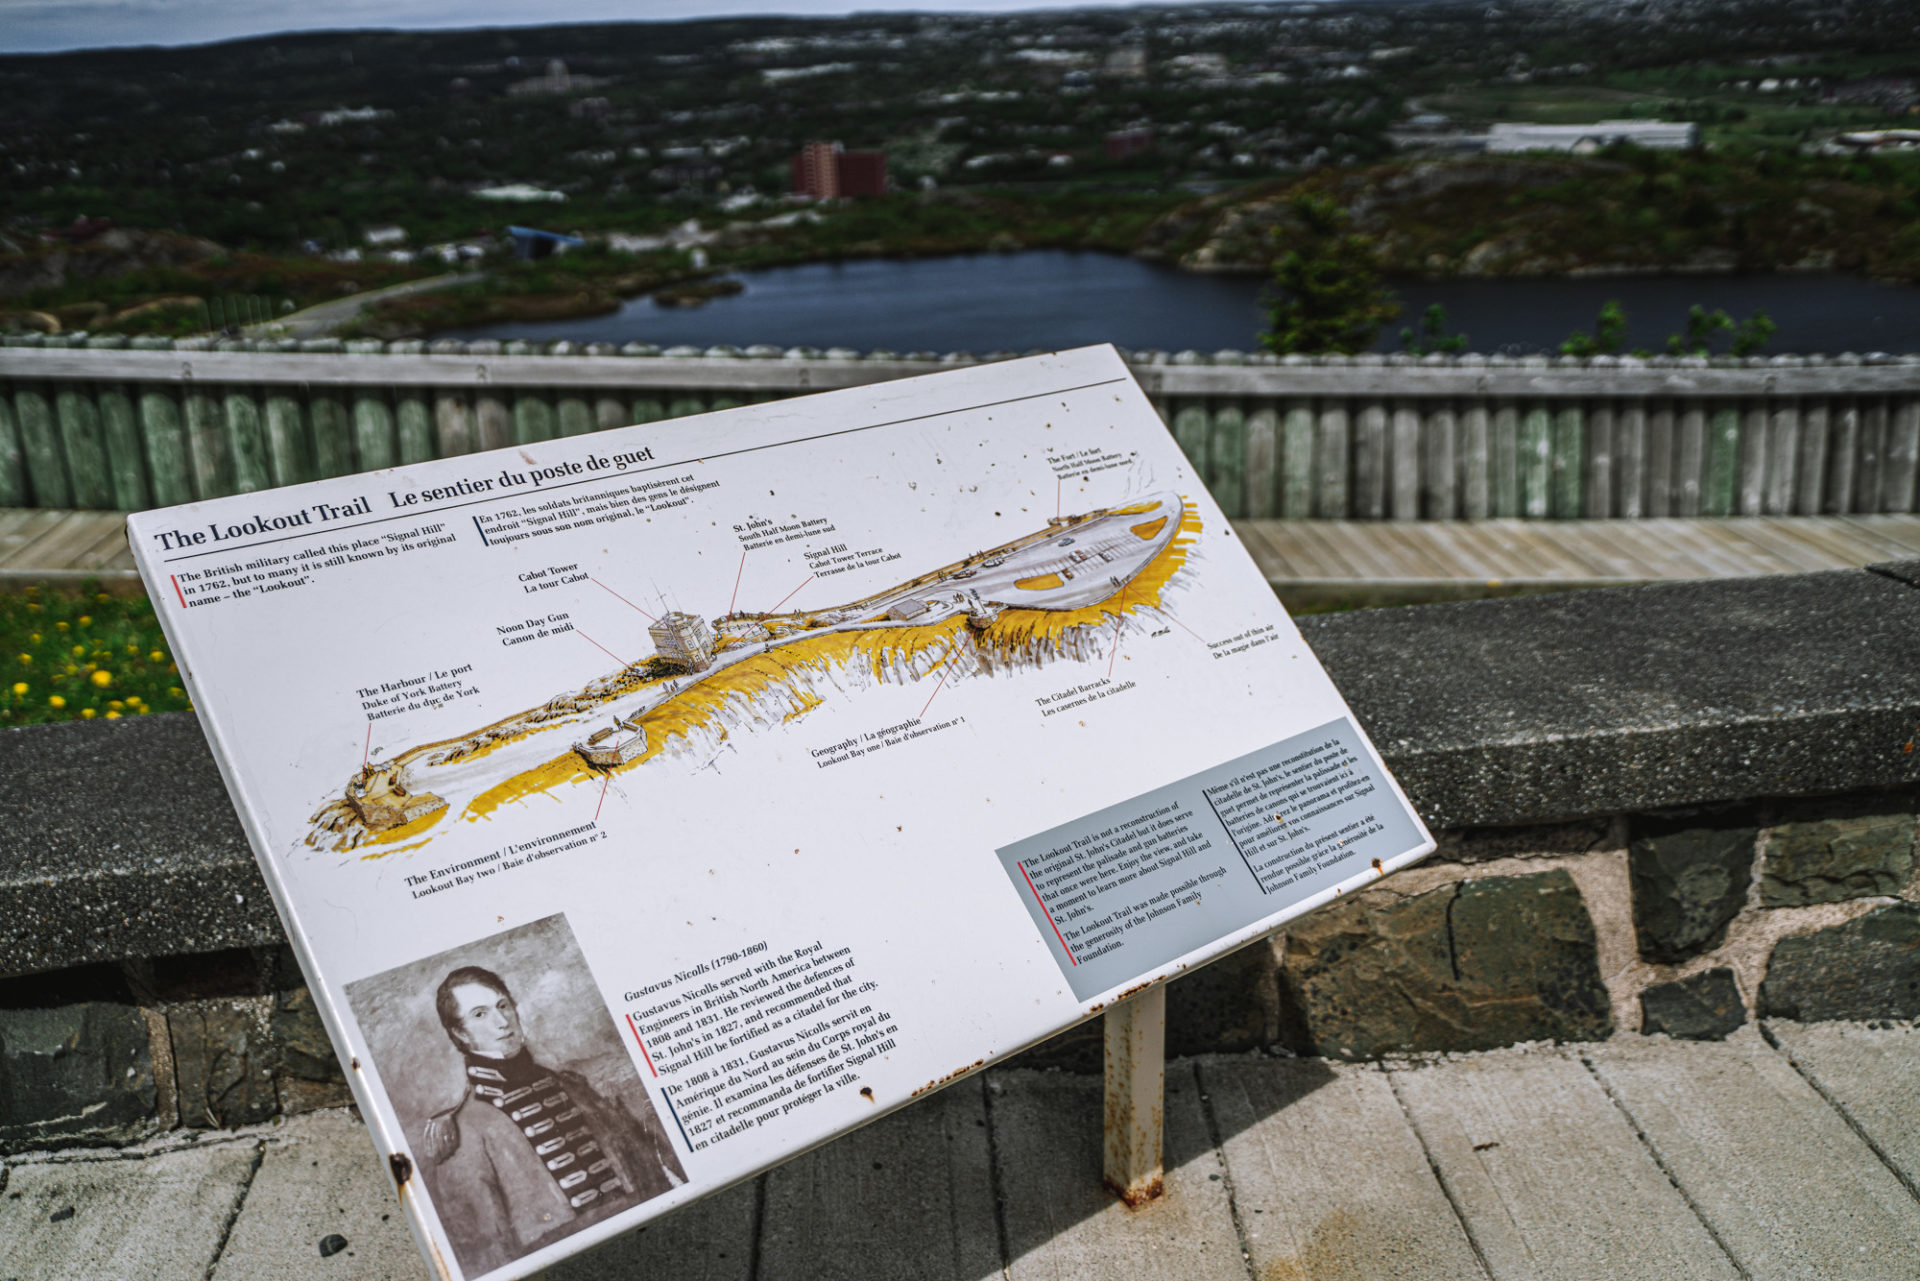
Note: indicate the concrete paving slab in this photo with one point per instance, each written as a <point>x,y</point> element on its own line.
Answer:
<point>909,1196</point>
<point>1329,1178</point>
<point>710,1240</point>
<point>320,1176</point>
<point>1789,1189</point>
<point>1548,1175</point>
<point>1872,1075</point>
<point>1062,1225</point>
<point>158,1217</point>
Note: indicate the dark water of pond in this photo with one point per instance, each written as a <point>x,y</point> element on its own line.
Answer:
<point>1054,298</point>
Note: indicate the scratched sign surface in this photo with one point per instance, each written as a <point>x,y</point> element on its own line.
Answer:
<point>648,806</point>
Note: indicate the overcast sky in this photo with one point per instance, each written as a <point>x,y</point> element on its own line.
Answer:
<point>41,25</point>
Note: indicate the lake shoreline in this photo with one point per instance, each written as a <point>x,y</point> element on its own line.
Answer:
<point>1053,298</point>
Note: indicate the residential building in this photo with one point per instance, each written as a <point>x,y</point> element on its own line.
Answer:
<point>827,171</point>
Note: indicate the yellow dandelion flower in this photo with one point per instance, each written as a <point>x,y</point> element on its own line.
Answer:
<point>78,650</point>
<point>155,657</point>
<point>19,689</point>
<point>35,638</point>
<point>56,702</point>
<point>86,713</point>
<point>86,620</point>
<point>26,658</point>
<point>103,679</point>
<point>103,598</point>
<point>115,705</point>
<point>111,715</point>
<point>60,626</point>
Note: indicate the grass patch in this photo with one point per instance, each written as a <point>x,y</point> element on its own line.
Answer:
<point>78,655</point>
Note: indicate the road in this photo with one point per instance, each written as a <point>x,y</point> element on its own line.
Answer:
<point>323,319</point>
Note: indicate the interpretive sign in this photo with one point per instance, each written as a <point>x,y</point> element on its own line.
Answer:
<point>649,806</point>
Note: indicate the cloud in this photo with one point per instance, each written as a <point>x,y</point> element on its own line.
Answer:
<point>35,26</point>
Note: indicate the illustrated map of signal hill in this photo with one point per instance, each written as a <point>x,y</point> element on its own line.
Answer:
<point>1065,592</point>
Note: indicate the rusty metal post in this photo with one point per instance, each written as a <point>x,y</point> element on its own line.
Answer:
<point>1136,1092</point>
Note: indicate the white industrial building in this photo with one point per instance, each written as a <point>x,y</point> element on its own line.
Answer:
<point>1666,135</point>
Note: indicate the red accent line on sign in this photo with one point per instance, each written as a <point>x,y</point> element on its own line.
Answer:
<point>603,797</point>
<point>736,580</point>
<point>1056,498</point>
<point>935,694</point>
<point>1116,654</point>
<point>622,599</point>
<point>366,749</point>
<point>176,590</point>
<point>1189,631</point>
<point>790,595</point>
<point>642,1044</point>
<point>602,648</point>
<point>1043,911</point>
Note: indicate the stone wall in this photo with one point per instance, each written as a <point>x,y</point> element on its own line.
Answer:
<point>1686,922</point>
<point>117,1053</point>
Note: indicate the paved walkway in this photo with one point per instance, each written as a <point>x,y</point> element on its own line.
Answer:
<point>1786,1152</point>
<point>1307,561</point>
<point>1353,561</point>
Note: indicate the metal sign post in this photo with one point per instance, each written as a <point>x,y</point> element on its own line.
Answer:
<point>1136,1095</point>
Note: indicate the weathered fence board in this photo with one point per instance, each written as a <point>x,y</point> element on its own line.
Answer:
<point>1370,454</point>
<point>1440,496</point>
<point>13,460</point>
<point>1846,445</point>
<point>1873,443</point>
<point>1630,461</point>
<point>246,442</point>
<point>1536,462</point>
<point>332,435</point>
<point>413,427</point>
<point>83,446</point>
<point>39,438</point>
<point>1403,462</point>
<point>1333,468</point>
<point>289,452</point>
<point>1476,493</point>
<point>1227,459</point>
<point>1812,443</point>
<point>122,424</point>
<point>212,470</point>
<point>1597,498</point>
<point>1264,466</point>
<point>120,430</point>
<point>1903,457</point>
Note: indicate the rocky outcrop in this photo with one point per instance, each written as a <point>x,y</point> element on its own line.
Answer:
<point>112,253</point>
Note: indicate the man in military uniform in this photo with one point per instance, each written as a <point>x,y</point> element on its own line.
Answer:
<point>531,1153</point>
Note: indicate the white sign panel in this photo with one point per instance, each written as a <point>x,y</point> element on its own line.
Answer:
<point>652,805</point>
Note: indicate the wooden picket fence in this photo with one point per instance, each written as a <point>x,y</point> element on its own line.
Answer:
<point>114,423</point>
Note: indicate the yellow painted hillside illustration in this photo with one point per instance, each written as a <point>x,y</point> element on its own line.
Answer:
<point>1064,592</point>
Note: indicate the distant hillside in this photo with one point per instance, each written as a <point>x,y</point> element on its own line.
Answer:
<point>1626,212</point>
